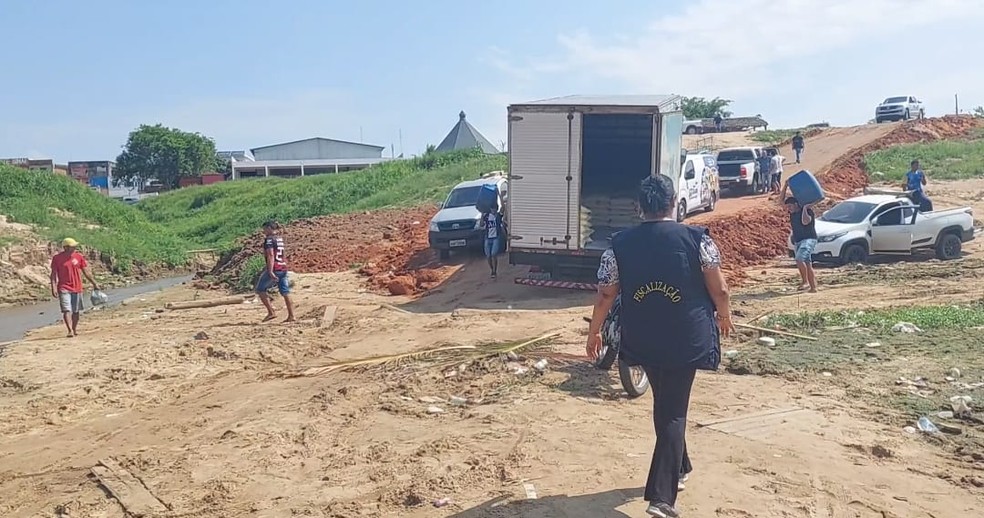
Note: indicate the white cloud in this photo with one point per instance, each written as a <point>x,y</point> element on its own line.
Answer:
<point>785,59</point>
<point>721,45</point>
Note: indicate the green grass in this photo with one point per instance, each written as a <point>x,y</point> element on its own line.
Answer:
<point>60,207</point>
<point>215,216</point>
<point>924,317</point>
<point>942,160</point>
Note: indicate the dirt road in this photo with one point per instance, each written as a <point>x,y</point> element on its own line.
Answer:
<point>821,151</point>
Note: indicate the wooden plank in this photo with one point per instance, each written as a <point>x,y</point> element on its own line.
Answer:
<point>329,317</point>
<point>208,303</point>
<point>128,490</point>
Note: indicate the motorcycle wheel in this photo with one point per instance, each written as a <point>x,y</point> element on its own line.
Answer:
<point>634,379</point>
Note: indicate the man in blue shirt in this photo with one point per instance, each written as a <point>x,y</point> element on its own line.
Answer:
<point>915,180</point>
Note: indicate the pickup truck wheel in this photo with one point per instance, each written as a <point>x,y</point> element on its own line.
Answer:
<point>754,187</point>
<point>691,130</point>
<point>854,254</point>
<point>712,203</point>
<point>905,117</point>
<point>949,247</point>
<point>681,211</point>
<point>444,254</point>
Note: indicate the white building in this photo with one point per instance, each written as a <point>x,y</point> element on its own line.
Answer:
<point>306,157</point>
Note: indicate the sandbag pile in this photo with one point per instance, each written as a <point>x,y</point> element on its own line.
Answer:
<point>604,214</point>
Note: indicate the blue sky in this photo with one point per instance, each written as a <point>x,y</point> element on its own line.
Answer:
<point>81,75</point>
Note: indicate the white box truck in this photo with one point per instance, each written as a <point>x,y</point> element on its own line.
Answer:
<point>575,164</point>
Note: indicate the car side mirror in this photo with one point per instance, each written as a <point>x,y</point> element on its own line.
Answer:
<point>440,205</point>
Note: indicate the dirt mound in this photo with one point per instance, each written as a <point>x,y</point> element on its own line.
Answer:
<point>389,247</point>
<point>847,174</point>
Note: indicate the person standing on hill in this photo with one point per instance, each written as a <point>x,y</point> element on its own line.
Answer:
<point>495,237</point>
<point>915,180</point>
<point>67,269</point>
<point>804,238</point>
<point>275,272</point>
<point>674,310</point>
<point>798,146</point>
<point>718,123</point>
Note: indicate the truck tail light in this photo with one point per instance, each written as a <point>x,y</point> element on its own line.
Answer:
<point>744,172</point>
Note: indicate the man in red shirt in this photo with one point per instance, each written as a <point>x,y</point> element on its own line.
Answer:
<point>67,269</point>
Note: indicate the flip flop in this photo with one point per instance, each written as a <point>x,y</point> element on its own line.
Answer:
<point>268,318</point>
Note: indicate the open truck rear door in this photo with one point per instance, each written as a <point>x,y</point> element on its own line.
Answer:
<point>544,176</point>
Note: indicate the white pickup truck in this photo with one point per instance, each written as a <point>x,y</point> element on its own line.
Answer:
<point>883,224</point>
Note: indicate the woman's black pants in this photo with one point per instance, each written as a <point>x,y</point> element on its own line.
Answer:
<point>671,398</point>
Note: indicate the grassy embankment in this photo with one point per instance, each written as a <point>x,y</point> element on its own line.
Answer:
<point>160,230</point>
<point>60,207</point>
<point>215,216</point>
<point>942,160</point>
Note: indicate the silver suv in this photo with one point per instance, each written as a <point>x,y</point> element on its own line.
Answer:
<point>900,108</point>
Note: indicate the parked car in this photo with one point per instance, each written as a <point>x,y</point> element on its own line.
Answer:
<point>693,126</point>
<point>900,108</point>
<point>699,188</point>
<point>881,224</point>
<point>458,225</point>
<point>738,170</point>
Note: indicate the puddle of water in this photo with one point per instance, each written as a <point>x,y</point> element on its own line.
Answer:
<point>16,321</point>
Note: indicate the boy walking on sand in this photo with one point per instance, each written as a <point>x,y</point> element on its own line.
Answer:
<point>67,269</point>
<point>275,272</point>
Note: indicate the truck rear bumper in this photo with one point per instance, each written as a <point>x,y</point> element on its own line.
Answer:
<point>561,264</point>
<point>968,235</point>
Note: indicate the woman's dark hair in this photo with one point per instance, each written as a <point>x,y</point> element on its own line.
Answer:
<point>656,195</point>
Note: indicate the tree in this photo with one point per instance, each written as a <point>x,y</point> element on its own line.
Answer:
<point>701,108</point>
<point>164,154</point>
<point>979,112</point>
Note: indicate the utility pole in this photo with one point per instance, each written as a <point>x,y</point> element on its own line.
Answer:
<point>401,141</point>
<point>956,104</point>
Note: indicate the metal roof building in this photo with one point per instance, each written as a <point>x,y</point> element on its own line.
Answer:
<point>316,155</point>
<point>464,136</point>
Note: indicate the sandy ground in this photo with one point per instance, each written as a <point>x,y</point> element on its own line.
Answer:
<point>221,425</point>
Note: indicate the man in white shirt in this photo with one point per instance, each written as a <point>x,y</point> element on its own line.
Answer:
<point>777,161</point>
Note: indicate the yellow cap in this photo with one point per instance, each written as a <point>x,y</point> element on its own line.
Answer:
<point>69,242</point>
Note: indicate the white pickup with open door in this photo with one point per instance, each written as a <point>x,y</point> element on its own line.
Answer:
<point>544,180</point>
<point>891,231</point>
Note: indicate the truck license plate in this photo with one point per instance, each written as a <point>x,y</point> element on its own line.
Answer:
<point>458,243</point>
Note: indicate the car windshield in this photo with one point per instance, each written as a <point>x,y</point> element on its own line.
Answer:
<point>463,197</point>
<point>848,212</point>
<point>892,100</point>
<point>731,155</point>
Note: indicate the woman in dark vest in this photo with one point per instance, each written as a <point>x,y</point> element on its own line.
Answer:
<point>674,308</point>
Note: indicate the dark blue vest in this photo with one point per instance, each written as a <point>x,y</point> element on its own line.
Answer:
<point>667,314</point>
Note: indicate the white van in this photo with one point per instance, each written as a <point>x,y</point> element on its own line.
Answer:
<point>698,188</point>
